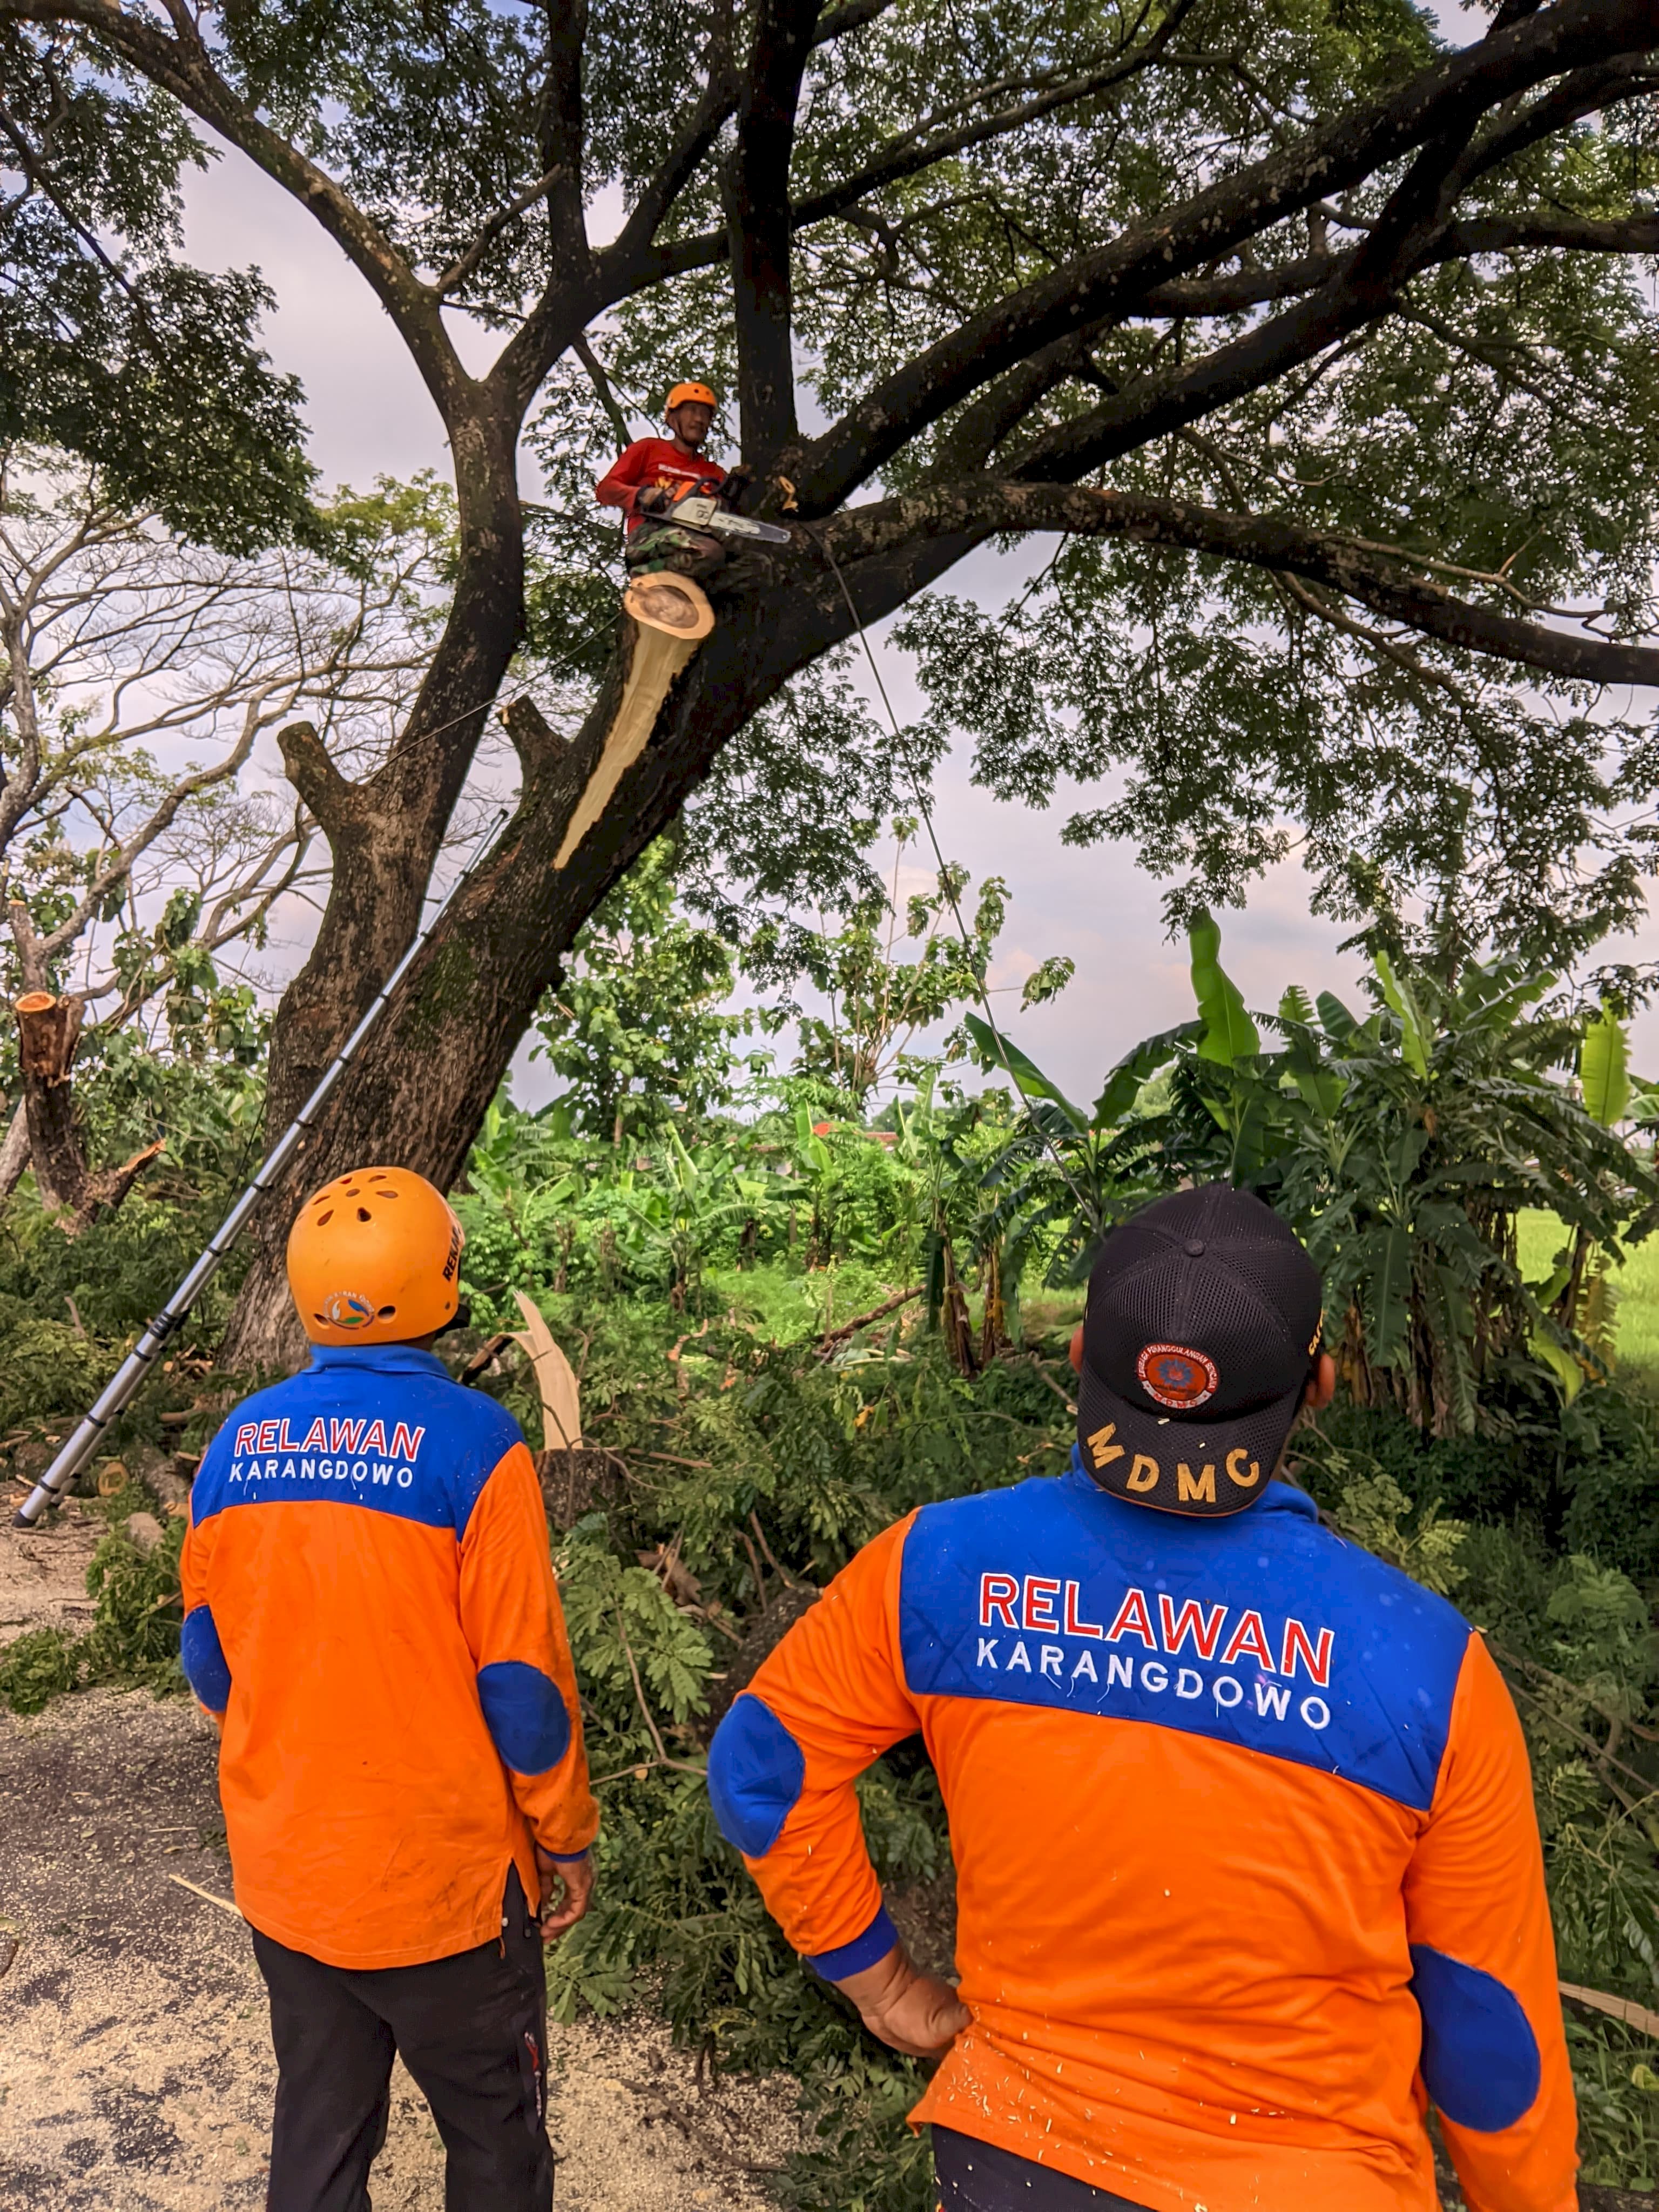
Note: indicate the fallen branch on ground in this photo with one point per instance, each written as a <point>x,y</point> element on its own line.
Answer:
<point>851,1327</point>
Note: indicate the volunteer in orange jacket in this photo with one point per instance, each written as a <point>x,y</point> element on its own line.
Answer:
<point>1247,1867</point>
<point>370,1609</point>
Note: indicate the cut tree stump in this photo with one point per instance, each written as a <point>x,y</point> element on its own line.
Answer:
<point>48,1030</point>
<point>572,1481</point>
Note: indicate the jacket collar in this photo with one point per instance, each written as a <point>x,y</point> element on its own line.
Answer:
<point>378,1359</point>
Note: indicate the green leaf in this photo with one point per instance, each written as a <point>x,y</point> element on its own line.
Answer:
<point>1402,1001</point>
<point>1604,1068</point>
<point>1136,1069</point>
<point>995,1051</point>
<point>1338,1023</point>
<point>1565,1370</point>
<point>1386,1283</point>
<point>1229,1032</point>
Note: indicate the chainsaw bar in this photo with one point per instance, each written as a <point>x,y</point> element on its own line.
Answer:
<point>699,512</point>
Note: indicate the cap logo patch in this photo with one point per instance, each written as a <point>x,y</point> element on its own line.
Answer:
<point>1176,1376</point>
<point>347,1309</point>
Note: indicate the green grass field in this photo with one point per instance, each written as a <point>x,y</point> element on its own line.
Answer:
<point>1636,1286</point>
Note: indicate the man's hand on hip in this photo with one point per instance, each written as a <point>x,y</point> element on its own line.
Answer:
<point>570,1881</point>
<point>916,2013</point>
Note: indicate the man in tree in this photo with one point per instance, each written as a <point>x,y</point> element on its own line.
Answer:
<point>1246,1854</point>
<point>371,1615</point>
<point>653,476</point>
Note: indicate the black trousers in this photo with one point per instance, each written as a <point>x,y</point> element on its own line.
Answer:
<point>472,2031</point>
<point>977,2177</point>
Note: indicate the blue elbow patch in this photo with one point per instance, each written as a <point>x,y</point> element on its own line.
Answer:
<point>877,1941</point>
<point>1480,2062</point>
<point>202,1658</point>
<point>756,1770</point>
<point>524,1715</point>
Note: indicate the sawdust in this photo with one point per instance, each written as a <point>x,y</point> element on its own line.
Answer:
<point>136,2072</point>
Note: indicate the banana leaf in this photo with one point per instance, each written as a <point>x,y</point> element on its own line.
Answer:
<point>1402,1001</point>
<point>1229,1032</point>
<point>1604,1069</point>
<point>1386,1282</point>
<point>995,1051</point>
<point>1136,1069</point>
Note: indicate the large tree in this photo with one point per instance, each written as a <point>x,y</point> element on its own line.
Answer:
<point>1292,292</point>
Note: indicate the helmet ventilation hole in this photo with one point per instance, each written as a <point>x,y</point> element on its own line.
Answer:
<point>363,1214</point>
<point>322,1219</point>
<point>386,1193</point>
<point>386,1313</point>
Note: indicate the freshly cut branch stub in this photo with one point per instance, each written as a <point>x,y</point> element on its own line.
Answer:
<point>676,605</point>
<point>48,1030</point>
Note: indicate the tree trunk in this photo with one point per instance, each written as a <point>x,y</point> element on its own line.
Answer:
<point>14,1151</point>
<point>385,834</point>
<point>48,1030</point>
<point>416,1095</point>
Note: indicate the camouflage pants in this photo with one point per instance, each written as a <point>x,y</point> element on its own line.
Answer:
<point>671,546</point>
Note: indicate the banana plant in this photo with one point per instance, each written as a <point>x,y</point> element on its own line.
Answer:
<point>1404,1144</point>
<point>1064,1175</point>
<point>689,1207</point>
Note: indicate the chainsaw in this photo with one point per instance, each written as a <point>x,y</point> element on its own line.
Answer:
<point>696,511</point>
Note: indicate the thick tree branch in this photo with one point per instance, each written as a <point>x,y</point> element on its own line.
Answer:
<point>583,287</point>
<point>837,22</point>
<point>757,212</point>
<point>1153,410</point>
<point>914,151</point>
<point>1366,286</point>
<point>1444,99</point>
<point>1380,578</point>
<point>561,131</point>
<point>622,259</point>
<point>309,765</point>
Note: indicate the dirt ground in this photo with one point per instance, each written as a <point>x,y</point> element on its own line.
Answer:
<point>135,2064</point>
<point>43,1572</point>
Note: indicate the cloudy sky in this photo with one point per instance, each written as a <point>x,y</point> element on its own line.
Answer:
<point>369,414</point>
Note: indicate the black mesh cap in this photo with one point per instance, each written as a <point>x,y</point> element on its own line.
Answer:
<point>1199,1340</point>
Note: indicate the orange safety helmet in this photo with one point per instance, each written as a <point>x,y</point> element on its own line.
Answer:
<point>374,1257</point>
<point>682,392</point>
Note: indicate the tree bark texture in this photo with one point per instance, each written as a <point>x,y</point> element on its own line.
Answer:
<point>48,1031</point>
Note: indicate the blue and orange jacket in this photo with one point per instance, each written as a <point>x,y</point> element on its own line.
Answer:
<point>1246,1862</point>
<point>370,1606</point>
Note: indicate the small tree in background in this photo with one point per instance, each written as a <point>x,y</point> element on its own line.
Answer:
<point>141,848</point>
<point>636,1025</point>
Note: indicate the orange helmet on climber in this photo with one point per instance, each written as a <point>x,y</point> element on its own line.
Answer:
<point>699,394</point>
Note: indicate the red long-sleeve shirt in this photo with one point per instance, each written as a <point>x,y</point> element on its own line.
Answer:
<point>654,464</point>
